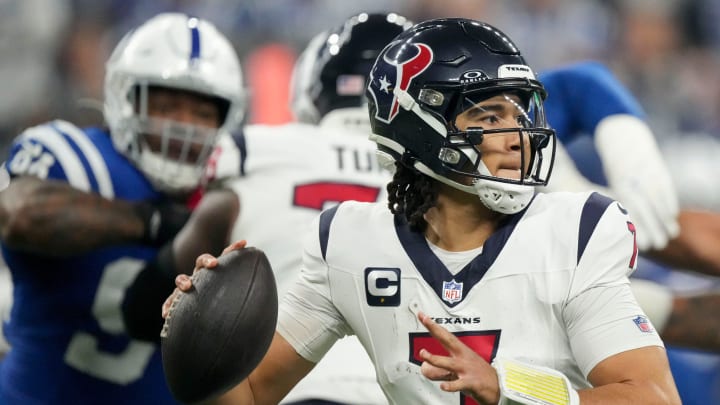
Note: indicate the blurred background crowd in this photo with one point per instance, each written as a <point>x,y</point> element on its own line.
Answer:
<point>52,56</point>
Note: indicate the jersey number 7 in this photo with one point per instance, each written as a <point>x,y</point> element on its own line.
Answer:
<point>317,195</point>
<point>484,343</point>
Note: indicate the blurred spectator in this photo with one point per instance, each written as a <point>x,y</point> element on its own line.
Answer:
<point>677,83</point>
<point>552,32</point>
<point>31,32</point>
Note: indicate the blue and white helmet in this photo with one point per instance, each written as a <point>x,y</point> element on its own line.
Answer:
<point>174,51</point>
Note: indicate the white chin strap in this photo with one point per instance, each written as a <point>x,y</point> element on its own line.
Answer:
<point>502,197</point>
<point>168,175</point>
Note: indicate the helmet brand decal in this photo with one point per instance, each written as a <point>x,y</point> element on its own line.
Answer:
<point>387,74</point>
<point>473,76</point>
<point>522,71</point>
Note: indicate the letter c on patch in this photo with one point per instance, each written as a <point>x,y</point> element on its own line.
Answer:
<point>382,286</point>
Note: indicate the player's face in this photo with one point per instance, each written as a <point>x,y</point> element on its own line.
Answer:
<point>501,152</point>
<point>183,106</point>
<point>180,121</point>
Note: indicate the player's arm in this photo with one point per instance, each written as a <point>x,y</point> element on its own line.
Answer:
<point>207,231</point>
<point>694,322</point>
<point>632,377</point>
<point>613,342</point>
<point>695,247</point>
<point>50,217</point>
<point>279,371</point>
<point>638,376</point>
<point>637,176</point>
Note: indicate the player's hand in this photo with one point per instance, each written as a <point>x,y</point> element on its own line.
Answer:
<point>462,370</point>
<point>162,220</point>
<point>183,282</point>
<point>639,178</point>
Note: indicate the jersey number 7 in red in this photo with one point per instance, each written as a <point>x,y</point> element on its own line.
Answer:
<point>484,343</point>
<point>316,195</point>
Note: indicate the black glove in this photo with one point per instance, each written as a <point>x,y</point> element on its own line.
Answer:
<point>162,219</point>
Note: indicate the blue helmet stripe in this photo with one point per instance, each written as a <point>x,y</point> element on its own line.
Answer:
<point>194,39</point>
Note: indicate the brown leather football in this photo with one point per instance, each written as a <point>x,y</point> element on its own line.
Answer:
<point>217,333</point>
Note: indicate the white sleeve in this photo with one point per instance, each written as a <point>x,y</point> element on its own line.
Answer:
<point>308,319</point>
<point>602,315</point>
<point>639,178</point>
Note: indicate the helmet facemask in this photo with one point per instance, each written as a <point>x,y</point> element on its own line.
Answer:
<point>510,186</point>
<point>174,52</point>
<point>514,123</point>
<point>172,154</point>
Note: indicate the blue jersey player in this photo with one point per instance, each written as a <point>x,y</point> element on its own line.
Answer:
<point>602,126</point>
<point>90,216</point>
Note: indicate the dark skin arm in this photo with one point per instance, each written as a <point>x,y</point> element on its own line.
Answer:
<point>208,230</point>
<point>694,322</point>
<point>50,217</point>
<point>696,247</point>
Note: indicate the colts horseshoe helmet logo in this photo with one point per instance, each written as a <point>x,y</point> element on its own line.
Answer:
<point>387,74</point>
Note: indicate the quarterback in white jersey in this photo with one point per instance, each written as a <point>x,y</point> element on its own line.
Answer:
<point>571,292</point>
<point>528,292</point>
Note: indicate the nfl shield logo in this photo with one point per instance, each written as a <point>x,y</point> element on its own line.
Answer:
<point>643,324</point>
<point>452,291</point>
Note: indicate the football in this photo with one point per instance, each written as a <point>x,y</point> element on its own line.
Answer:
<point>217,333</point>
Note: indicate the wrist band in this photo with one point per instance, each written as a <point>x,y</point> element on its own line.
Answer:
<point>523,383</point>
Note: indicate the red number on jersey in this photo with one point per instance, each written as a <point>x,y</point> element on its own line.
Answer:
<point>484,343</point>
<point>631,228</point>
<point>316,195</point>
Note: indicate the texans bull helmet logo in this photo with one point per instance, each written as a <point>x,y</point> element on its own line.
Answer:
<point>388,74</point>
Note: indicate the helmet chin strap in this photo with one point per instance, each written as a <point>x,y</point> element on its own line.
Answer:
<point>502,197</point>
<point>497,196</point>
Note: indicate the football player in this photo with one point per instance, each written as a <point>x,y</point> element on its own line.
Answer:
<point>534,287</point>
<point>89,218</point>
<point>295,171</point>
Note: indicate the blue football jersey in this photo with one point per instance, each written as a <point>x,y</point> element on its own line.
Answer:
<point>580,95</point>
<point>68,344</point>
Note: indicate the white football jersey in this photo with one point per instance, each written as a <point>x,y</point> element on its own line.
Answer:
<point>550,287</point>
<point>289,174</point>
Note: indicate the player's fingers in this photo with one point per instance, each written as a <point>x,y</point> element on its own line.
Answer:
<point>436,373</point>
<point>205,260</point>
<point>453,385</point>
<point>447,339</point>
<point>168,303</point>
<point>183,282</point>
<point>237,245</point>
<point>436,360</point>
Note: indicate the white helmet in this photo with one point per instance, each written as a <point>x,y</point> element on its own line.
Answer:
<point>174,51</point>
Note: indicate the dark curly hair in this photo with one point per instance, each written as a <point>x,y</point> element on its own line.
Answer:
<point>411,194</point>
